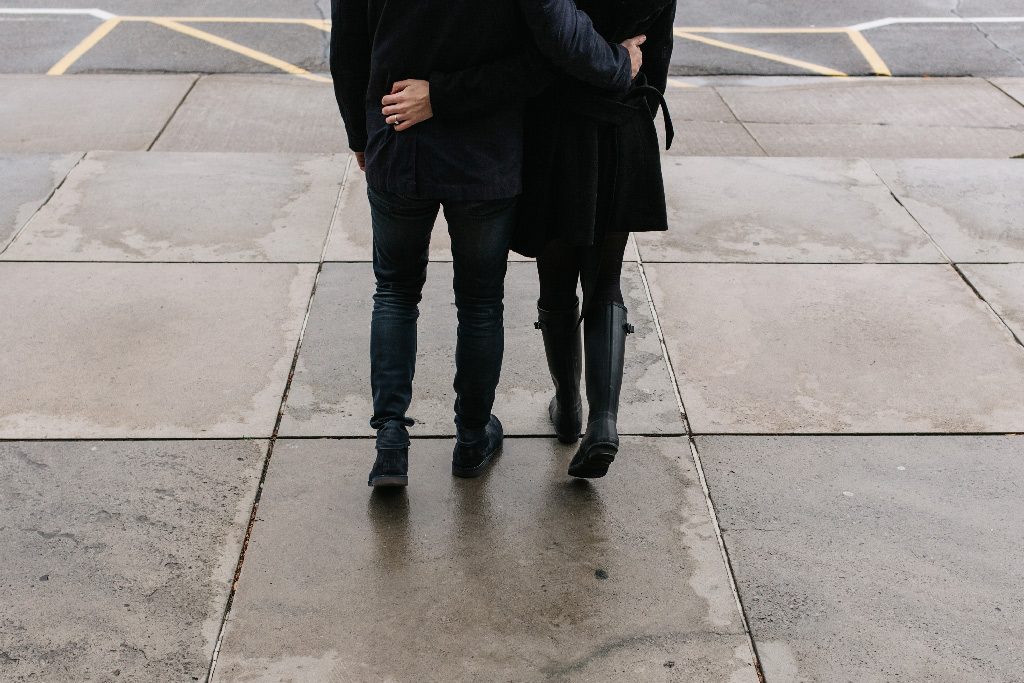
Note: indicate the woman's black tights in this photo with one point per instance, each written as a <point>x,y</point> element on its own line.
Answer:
<point>560,265</point>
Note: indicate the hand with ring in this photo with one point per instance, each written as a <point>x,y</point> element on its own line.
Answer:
<point>407,105</point>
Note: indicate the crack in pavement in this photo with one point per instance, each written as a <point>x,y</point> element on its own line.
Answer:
<point>957,13</point>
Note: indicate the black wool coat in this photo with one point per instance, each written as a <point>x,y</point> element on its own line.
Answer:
<point>375,43</point>
<point>592,161</point>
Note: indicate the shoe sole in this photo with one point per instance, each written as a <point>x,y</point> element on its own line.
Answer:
<point>474,472</point>
<point>389,480</point>
<point>595,462</point>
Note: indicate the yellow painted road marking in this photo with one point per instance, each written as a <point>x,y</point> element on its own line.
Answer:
<point>799,63</point>
<point>676,83</point>
<point>322,24</point>
<point>240,49</point>
<point>88,43</point>
<point>874,59</point>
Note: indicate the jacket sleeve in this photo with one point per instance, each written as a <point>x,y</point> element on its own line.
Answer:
<point>350,66</point>
<point>566,37</point>
<point>658,48</point>
<point>489,86</point>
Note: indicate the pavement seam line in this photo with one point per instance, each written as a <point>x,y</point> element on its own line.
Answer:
<point>525,436</point>
<point>991,81</point>
<point>950,262</point>
<point>699,467</point>
<point>163,128</point>
<point>46,201</point>
<point>271,444</point>
<point>740,121</point>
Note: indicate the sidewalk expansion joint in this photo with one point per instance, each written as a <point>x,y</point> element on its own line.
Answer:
<point>273,442</point>
<point>953,264</point>
<point>743,124</point>
<point>699,467</point>
<point>46,201</point>
<point>175,112</point>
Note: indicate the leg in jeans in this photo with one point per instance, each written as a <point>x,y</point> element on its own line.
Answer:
<point>401,239</point>
<point>480,233</point>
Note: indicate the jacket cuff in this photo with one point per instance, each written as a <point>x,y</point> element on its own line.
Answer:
<point>357,142</point>
<point>624,78</point>
<point>442,101</point>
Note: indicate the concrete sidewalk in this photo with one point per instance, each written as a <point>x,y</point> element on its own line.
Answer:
<point>723,116</point>
<point>821,470</point>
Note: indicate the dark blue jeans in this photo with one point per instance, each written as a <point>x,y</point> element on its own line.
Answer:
<point>480,233</point>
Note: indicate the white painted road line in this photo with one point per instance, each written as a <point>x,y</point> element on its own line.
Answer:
<point>98,13</point>
<point>891,21</point>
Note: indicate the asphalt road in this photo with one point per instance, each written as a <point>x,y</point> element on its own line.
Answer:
<point>941,45</point>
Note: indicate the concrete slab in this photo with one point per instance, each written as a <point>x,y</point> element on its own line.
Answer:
<point>711,139</point>
<point>256,113</point>
<point>26,181</point>
<point>330,392</point>
<point>837,349</point>
<point>78,113</point>
<point>520,576</point>
<point>875,558</point>
<point>698,104</point>
<point>835,210</point>
<point>124,206</point>
<point>352,235</point>
<point>117,557</point>
<point>1014,87</point>
<point>1003,287</point>
<point>959,102</point>
<point>147,350</point>
<point>972,208</point>
<point>885,141</point>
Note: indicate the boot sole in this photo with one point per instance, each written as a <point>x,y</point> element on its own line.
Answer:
<point>595,462</point>
<point>389,480</point>
<point>474,472</point>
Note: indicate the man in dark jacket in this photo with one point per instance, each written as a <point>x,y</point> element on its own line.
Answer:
<point>472,167</point>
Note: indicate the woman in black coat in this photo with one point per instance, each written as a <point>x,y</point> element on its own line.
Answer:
<point>592,175</point>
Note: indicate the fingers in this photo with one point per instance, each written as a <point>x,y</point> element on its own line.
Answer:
<point>640,40</point>
<point>393,109</point>
<point>399,86</point>
<point>394,98</point>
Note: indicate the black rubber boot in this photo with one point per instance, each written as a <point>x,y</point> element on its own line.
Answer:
<point>563,346</point>
<point>604,335</point>
<point>475,449</point>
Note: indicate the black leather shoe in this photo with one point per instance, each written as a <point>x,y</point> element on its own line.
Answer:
<point>475,449</point>
<point>604,336</point>
<point>391,468</point>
